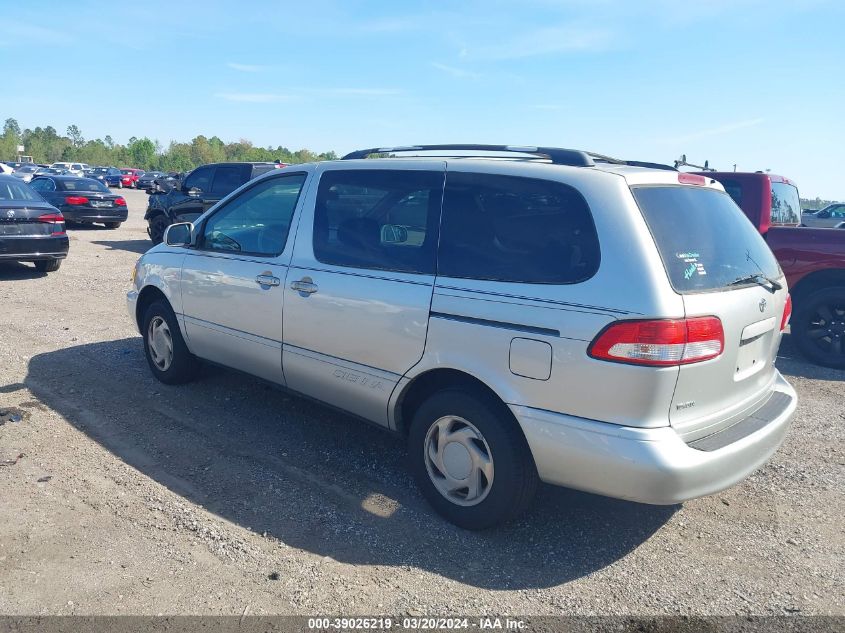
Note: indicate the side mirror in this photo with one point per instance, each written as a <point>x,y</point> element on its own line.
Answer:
<point>178,234</point>
<point>394,234</point>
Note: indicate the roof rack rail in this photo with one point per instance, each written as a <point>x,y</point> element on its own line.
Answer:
<point>682,162</point>
<point>631,163</point>
<point>556,155</point>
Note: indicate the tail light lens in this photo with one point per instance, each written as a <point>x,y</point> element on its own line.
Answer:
<point>660,342</point>
<point>787,313</point>
<point>76,200</point>
<point>57,220</point>
<point>120,202</point>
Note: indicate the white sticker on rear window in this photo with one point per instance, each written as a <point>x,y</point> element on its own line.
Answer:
<point>691,264</point>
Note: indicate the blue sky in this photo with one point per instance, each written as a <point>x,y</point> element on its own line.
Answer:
<point>753,83</point>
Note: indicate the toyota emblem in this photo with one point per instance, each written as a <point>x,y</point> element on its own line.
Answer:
<point>10,213</point>
<point>762,305</point>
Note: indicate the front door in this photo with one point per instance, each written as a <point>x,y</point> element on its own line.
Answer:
<point>232,280</point>
<point>359,287</point>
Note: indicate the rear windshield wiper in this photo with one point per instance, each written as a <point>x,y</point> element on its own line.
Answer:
<point>757,278</point>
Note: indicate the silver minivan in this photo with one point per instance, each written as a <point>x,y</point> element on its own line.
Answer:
<point>519,314</point>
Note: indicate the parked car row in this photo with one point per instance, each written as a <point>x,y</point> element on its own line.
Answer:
<point>34,215</point>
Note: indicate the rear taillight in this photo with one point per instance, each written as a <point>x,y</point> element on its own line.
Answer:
<point>57,220</point>
<point>76,200</point>
<point>660,342</point>
<point>120,202</point>
<point>787,312</point>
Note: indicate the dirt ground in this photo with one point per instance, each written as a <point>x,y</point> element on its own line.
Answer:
<point>120,495</point>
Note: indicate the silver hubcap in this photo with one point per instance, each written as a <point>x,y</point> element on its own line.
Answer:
<point>459,461</point>
<point>160,343</point>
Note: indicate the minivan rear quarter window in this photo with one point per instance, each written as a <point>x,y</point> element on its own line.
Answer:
<point>514,229</point>
<point>705,241</point>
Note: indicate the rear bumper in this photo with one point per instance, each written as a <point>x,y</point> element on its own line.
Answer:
<point>650,465</point>
<point>118,214</point>
<point>29,249</point>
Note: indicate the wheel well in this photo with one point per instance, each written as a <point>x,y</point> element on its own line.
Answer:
<point>436,380</point>
<point>148,295</point>
<point>817,281</point>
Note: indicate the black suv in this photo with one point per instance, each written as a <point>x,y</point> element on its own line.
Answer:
<point>198,191</point>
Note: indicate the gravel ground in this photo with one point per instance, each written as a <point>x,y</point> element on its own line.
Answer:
<point>121,495</point>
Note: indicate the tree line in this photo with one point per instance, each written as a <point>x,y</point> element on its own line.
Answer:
<point>46,145</point>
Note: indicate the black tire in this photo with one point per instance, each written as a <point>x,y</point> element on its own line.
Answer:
<point>113,225</point>
<point>818,327</point>
<point>514,480</point>
<point>48,265</point>
<point>158,224</point>
<point>184,365</point>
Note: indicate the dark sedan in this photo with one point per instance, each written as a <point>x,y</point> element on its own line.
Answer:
<point>109,176</point>
<point>31,230</point>
<point>82,200</point>
<point>149,179</point>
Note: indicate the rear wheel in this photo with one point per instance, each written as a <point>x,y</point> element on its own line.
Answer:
<point>112,225</point>
<point>48,265</point>
<point>470,459</point>
<point>164,347</point>
<point>818,326</point>
<point>158,225</point>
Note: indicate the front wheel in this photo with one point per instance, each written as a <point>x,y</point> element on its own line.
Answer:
<point>168,356</point>
<point>470,459</point>
<point>818,326</point>
<point>158,225</point>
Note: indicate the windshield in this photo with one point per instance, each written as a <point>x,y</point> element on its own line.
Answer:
<point>100,170</point>
<point>126,172</point>
<point>705,241</point>
<point>82,184</point>
<point>15,190</point>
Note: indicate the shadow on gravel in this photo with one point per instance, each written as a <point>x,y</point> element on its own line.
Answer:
<point>790,362</point>
<point>133,246</point>
<point>15,271</point>
<point>316,479</point>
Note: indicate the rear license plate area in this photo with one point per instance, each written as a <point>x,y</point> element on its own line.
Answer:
<point>99,204</point>
<point>755,349</point>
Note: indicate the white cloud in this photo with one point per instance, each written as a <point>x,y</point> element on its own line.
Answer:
<point>253,97</point>
<point>544,41</point>
<point>714,131</point>
<point>246,68</point>
<point>457,73</point>
<point>360,92</point>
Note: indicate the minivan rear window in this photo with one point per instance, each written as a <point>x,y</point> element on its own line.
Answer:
<point>705,241</point>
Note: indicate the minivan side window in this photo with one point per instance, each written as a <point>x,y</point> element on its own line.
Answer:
<point>514,229</point>
<point>381,219</point>
<point>199,178</point>
<point>257,221</point>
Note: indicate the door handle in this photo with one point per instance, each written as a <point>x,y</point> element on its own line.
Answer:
<point>304,286</point>
<point>267,280</point>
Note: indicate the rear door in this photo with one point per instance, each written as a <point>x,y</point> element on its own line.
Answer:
<point>359,288</point>
<point>717,261</point>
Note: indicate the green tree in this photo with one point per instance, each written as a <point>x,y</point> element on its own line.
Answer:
<point>142,153</point>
